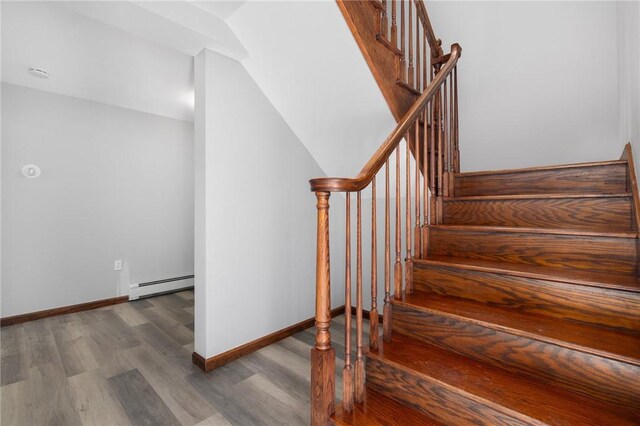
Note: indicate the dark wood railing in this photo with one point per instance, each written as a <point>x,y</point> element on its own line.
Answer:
<point>429,131</point>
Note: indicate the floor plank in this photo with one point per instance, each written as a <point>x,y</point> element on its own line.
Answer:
<point>140,401</point>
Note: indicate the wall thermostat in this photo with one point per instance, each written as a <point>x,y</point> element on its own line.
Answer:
<point>31,171</point>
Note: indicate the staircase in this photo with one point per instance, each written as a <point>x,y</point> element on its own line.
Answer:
<point>511,297</point>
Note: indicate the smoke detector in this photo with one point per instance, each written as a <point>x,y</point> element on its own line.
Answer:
<point>38,72</point>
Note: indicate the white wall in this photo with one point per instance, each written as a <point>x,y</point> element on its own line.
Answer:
<point>538,81</point>
<point>628,13</point>
<point>115,184</point>
<point>305,59</point>
<point>255,216</point>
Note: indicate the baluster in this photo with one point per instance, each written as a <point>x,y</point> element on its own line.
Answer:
<point>359,373</point>
<point>403,63</point>
<point>373,314</point>
<point>418,73</point>
<point>408,269</point>
<point>457,138</point>
<point>347,371</point>
<point>425,63</point>
<point>446,142</point>
<point>322,354</point>
<point>386,317</point>
<point>416,239</point>
<point>440,168</point>
<point>394,27</point>
<point>410,42</point>
<point>432,163</point>
<point>384,22</point>
<point>452,152</point>
<point>425,177</point>
<point>398,267</point>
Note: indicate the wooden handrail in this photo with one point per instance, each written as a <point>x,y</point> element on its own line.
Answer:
<point>332,184</point>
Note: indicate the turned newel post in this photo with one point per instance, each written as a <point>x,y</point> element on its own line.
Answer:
<point>322,354</point>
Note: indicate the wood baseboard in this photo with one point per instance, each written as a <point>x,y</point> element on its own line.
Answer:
<point>32,316</point>
<point>208,364</point>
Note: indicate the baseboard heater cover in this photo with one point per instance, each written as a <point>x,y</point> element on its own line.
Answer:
<point>158,287</point>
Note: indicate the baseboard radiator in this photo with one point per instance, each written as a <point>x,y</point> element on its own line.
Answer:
<point>156,288</point>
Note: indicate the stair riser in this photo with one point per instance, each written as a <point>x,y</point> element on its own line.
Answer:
<point>604,179</point>
<point>583,373</point>
<point>585,253</point>
<point>437,400</point>
<point>609,307</point>
<point>604,214</point>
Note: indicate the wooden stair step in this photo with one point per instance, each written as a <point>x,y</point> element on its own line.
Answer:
<point>380,410</point>
<point>578,296</point>
<point>613,344</point>
<point>582,250</point>
<point>598,212</point>
<point>630,283</point>
<point>598,362</point>
<point>605,177</point>
<point>458,390</point>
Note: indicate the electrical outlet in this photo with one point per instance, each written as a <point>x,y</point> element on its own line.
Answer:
<point>117,265</point>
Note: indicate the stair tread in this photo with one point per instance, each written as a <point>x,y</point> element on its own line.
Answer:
<point>528,230</point>
<point>378,409</point>
<point>623,346</point>
<point>535,196</point>
<point>492,385</point>
<point>592,279</point>
<point>542,168</point>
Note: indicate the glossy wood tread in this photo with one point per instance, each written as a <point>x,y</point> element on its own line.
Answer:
<point>490,386</point>
<point>545,231</point>
<point>379,410</point>
<point>534,196</point>
<point>629,283</point>
<point>544,168</point>
<point>604,342</point>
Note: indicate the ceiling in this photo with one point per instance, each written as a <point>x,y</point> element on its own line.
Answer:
<point>132,54</point>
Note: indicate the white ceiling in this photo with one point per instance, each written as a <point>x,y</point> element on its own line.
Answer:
<point>136,55</point>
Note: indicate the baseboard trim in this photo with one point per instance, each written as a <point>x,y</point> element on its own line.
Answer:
<point>365,314</point>
<point>208,364</point>
<point>32,316</point>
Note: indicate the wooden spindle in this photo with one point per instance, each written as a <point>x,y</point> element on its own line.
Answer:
<point>425,64</point>
<point>386,317</point>
<point>410,42</point>
<point>452,148</point>
<point>394,26</point>
<point>416,238</point>
<point>398,267</point>
<point>403,62</point>
<point>455,124</point>
<point>439,124</point>
<point>359,373</point>
<point>347,371</point>
<point>384,20</point>
<point>408,269</point>
<point>425,187</point>
<point>432,161</point>
<point>418,63</point>
<point>373,314</point>
<point>322,354</point>
<point>446,141</point>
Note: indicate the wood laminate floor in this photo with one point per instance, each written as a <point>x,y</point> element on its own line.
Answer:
<point>130,364</point>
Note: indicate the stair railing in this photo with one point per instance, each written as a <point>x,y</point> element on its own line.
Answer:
<point>431,157</point>
<point>405,27</point>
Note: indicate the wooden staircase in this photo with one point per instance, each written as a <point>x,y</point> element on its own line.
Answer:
<point>525,308</point>
<point>511,297</point>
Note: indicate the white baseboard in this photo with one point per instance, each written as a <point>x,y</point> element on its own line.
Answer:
<point>139,290</point>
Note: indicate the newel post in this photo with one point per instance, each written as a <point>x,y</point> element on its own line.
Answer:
<point>322,354</point>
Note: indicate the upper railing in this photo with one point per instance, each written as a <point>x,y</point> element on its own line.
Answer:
<point>428,161</point>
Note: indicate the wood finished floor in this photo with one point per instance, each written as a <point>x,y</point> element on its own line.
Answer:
<point>130,364</point>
